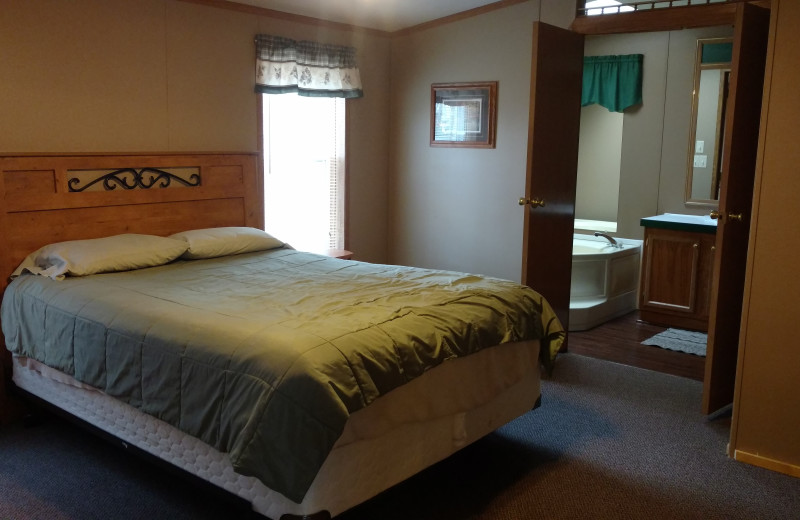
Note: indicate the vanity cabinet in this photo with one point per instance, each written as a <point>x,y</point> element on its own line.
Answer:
<point>677,266</point>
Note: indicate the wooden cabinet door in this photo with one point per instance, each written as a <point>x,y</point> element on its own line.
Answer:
<point>676,274</point>
<point>708,253</point>
<point>671,269</point>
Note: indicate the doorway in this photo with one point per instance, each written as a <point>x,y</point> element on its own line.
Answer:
<point>633,164</point>
<point>741,135</point>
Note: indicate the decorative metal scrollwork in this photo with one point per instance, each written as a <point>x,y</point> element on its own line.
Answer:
<point>131,178</point>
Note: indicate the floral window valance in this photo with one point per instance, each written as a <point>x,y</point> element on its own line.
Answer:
<point>614,82</point>
<point>307,68</point>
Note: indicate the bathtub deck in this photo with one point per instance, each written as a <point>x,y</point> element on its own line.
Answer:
<point>619,340</point>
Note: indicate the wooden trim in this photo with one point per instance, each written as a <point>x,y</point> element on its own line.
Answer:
<point>477,11</point>
<point>671,19</point>
<point>289,17</point>
<point>767,463</point>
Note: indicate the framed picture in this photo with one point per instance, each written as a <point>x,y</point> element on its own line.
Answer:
<point>464,114</point>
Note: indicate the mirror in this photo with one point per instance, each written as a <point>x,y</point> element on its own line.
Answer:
<point>709,99</point>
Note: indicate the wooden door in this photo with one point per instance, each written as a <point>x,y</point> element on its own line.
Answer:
<point>552,166</point>
<point>736,198</point>
<point>765,426</point>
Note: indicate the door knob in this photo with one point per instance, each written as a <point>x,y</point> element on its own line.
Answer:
<point>535,203</point>
<point>716,215</point>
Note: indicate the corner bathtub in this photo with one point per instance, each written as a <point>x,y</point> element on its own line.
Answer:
<point>604,280</point>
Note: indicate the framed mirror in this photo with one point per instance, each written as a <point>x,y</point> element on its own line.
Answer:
<point>709,99</point>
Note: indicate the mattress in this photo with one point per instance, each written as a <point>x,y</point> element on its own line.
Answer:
<point>266,355</point>
<point>381,445</point>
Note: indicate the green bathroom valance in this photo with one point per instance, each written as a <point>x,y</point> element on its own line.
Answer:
<point>614,82</point>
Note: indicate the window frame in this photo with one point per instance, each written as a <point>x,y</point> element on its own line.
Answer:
<point>346,183</point>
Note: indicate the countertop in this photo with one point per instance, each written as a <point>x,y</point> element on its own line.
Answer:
<point>678,222</point>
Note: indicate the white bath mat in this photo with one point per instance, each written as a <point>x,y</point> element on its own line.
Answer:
<point>680,340</point>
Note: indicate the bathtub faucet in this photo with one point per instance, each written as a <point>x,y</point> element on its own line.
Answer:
<point>609,238</point>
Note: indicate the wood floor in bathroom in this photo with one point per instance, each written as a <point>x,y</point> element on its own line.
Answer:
<point>620,340</point>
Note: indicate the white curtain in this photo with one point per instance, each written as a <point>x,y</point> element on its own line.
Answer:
<point>307,68</point>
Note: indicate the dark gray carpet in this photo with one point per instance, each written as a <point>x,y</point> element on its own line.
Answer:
<point>609,442</point>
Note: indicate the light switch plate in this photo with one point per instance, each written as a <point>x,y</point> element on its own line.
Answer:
<point>700,161</point>
<point>699,146</point>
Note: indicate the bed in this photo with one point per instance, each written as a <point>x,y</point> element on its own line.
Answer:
<point>366,367</point>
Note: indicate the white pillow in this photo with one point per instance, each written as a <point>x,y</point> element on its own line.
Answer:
<point>101,255</point>
<point>223,241</point>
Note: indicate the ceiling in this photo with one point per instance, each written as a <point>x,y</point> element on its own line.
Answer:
<point>385,15</point>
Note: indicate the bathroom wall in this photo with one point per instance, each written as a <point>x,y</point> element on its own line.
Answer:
<point>599,160</point>
<point>655,134</point>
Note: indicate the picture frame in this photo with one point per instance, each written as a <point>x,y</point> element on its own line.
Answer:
<point>464,115</point>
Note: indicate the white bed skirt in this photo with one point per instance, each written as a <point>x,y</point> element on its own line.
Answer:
<point>398,435</point>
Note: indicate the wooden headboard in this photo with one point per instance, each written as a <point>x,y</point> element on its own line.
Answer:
<point>52,198</point>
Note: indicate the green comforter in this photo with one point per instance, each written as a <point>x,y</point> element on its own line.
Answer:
<point>264,355</point>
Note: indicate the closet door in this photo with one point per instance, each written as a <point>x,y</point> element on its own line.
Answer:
<point>765,428</point>
<point>736,197</point>
<point>552,166</point>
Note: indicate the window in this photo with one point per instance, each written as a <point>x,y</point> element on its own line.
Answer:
<point>304,170</point>
<point>594,7</point>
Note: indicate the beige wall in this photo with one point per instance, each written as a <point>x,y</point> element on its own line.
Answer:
<point>599,158</point>
<point>165,75</point>
<point>456,208</point>
<point>642,127</point>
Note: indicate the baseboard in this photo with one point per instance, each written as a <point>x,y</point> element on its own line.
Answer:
<point>767,463</point>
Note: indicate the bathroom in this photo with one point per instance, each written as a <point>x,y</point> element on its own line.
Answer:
<point>632,165</point>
